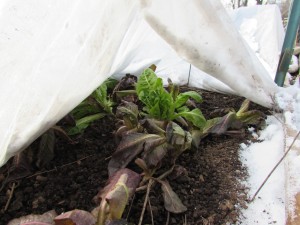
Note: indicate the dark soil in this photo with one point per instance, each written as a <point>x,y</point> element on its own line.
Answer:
<point>211,187</point>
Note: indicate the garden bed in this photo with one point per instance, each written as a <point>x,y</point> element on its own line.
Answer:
<point>210,187</point>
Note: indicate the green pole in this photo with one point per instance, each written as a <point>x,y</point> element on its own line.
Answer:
<point>288,44</point>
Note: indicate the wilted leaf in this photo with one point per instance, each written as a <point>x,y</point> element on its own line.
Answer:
<point>171,200</point>
<point>128,112</point>
<point>46,148</point>
<point>223,124</point>
<point>142,164</point>
<point>44,219</point>
<point>75,217</point>
<point>121,186</point>
<point>155,155</point>
<point>130,146</point>
<point>252,117</point>
<point>180,139</point>
<point>154,126</point>
<point>20,167</point>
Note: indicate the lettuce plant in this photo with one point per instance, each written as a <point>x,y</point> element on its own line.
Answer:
<point>98,105</point>
<point>163,105</point>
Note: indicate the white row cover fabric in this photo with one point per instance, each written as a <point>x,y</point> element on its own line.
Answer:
<point>54,53</point>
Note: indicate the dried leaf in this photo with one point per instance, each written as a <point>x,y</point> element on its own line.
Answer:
<point>46,148</point>
<point>20,167</point>
<point>128,112</point>
<point>155,155</point>
<point>223,124</point>
<point>171,200</point>
<point>121,186</point>
<point>130,146</point>
<point>75,217</point>
<point>44,219</point>
<point>132,181</point>
<point>154,126</point>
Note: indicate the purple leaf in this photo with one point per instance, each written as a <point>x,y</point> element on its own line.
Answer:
<point>171,200</point>
<point>130,146</point>
<point>121,186</point>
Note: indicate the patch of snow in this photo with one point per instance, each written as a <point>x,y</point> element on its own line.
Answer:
<point>260,158</point>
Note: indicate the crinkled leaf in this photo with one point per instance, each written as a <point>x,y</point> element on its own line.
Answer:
<point>32,219</point>
<point>155,155</point>
<point>129,113</point>
<point>101,96</point>
<point>180,139</point>
<point>175,134</point>
<point>252,117</point>
<point>183,97</point>
<point>150,90</point>
<point>154,126</point>
<point>171,200</point>
<point>84,122</point>
<point>224,123</point>
<point>75,217</point>
<point>195,116</point>
<point>130,146</point>
<point>120,187</point>
<point>46,148</point>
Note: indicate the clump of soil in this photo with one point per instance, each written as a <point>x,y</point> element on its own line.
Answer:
<point>210,188</point>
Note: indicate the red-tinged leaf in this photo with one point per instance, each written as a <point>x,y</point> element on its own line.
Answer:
<point>154,126</point>
<point>130,146</point>
<point>224,123</point>
<point>75,217</point>
<point>131,182</point>
<point>121,186</point>
<point>44,219</point>
<point>128,112</point>
<point>155,155</point>
<point>171,200</point>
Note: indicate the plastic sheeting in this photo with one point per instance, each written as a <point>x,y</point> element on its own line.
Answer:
<point>54,53</point>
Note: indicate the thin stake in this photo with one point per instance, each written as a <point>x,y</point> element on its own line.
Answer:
<point>145,202</point>
<point>151,213</point>
<point>10,196</point>
<point>189,75</point>
<point>282,158</point>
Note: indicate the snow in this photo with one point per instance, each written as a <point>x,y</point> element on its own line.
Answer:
<point>276,198</point>
<point>260,158</point>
